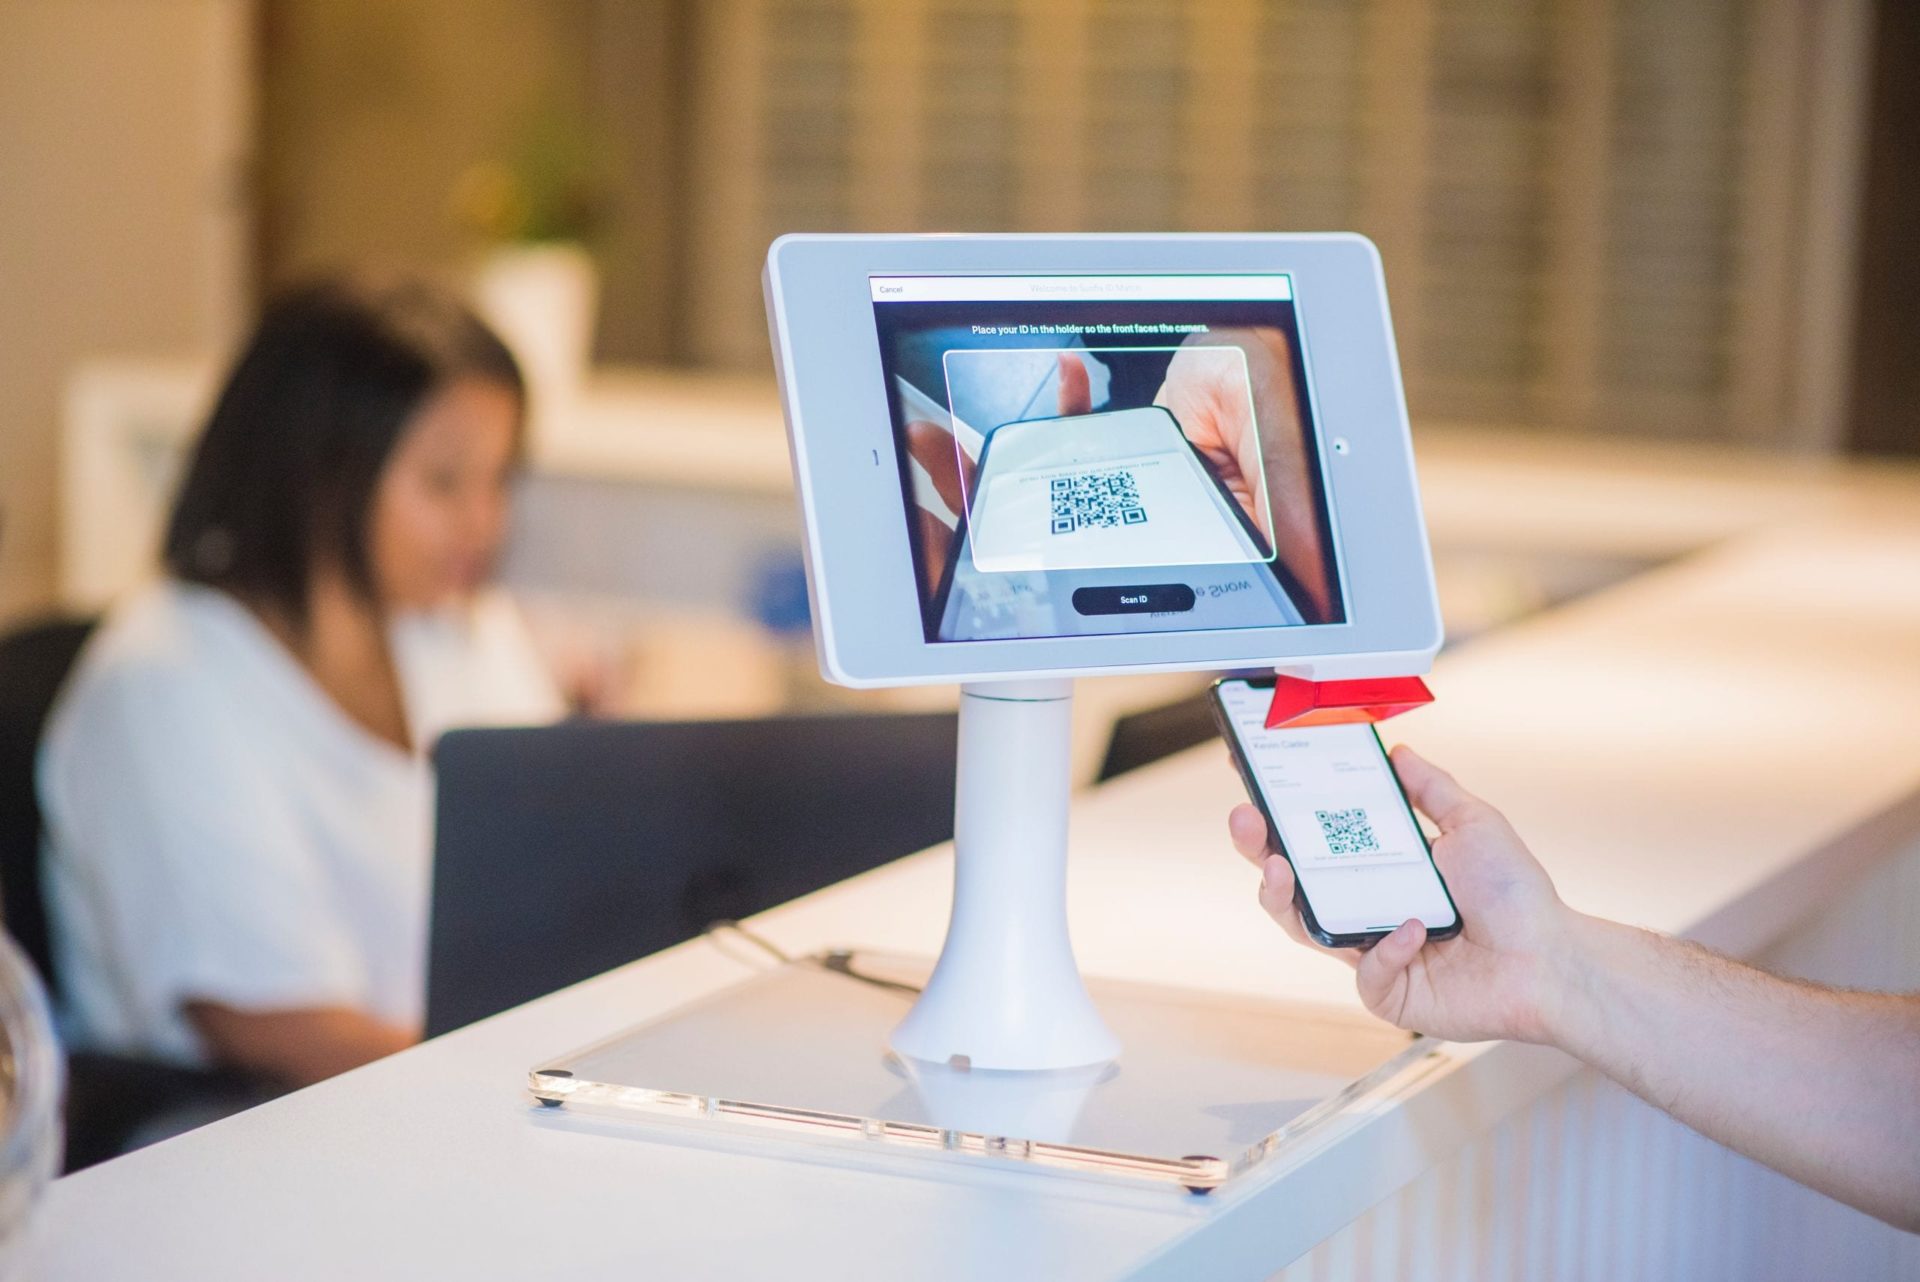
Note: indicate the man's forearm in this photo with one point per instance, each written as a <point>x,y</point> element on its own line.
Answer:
<point>1821,1084</point>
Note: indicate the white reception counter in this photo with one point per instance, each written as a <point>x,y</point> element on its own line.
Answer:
<point>1722,747</point>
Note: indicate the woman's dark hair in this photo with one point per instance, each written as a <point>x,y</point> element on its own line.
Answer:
<point>285,472</point>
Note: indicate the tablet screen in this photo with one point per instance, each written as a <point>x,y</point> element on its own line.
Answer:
<point>1088,455</point>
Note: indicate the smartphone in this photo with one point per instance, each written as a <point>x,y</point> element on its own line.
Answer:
<point>1336,812</point>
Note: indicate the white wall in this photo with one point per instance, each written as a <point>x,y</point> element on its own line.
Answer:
<point>124,133</point>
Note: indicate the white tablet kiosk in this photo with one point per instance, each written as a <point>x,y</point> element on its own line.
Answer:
<point>1023,459</point>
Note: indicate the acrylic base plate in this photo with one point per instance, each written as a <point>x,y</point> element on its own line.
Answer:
<point>1207,1086</point>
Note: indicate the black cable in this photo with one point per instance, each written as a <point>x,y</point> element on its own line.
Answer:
<point>839,960</point>
<point>761,942</point>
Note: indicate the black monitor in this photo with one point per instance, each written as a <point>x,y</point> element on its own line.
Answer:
<point>564,851</point>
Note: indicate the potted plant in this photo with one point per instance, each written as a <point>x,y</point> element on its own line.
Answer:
<point>534,213</point>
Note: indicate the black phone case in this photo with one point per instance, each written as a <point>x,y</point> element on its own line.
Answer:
<point>1363,939</point>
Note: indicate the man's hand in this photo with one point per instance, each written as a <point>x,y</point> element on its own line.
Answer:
<point>1499,977</point>
<point>1816,1082</point>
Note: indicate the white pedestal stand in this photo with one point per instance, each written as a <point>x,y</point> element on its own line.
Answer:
<point>1007,993</point>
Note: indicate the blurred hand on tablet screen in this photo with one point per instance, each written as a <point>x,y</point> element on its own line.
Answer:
<point>951,469</point>
<point>1206,390</point>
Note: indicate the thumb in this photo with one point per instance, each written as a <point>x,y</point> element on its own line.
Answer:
<point>1385,964</point>
<point>1076,388</point>
<point>934,449</point>
<point>1433,790</point>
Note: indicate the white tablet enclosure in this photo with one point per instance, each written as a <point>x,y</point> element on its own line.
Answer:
<point>901,357</point>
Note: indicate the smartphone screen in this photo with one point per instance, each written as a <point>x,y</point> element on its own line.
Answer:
<point>1337,813</point>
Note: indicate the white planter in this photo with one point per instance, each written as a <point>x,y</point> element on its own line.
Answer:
<point>542,299</point>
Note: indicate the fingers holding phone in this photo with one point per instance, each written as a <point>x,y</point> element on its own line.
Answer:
<point>1248,828</point>
<point>1334,810</point>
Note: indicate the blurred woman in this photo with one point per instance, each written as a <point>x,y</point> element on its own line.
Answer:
<point>237,796</point>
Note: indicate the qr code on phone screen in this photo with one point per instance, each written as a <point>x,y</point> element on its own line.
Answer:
<point>1096,500</point>
<point>1348,832</point>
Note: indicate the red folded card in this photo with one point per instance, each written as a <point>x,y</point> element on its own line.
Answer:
<point>1298,702</point>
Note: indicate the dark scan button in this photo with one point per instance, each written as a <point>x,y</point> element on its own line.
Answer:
<point>1146,598</point>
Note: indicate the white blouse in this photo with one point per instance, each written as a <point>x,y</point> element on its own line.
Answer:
<point>218,829</point>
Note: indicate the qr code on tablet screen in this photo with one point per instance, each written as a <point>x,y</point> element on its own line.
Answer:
<point>1096,500</point>
<point>1348,832</point>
